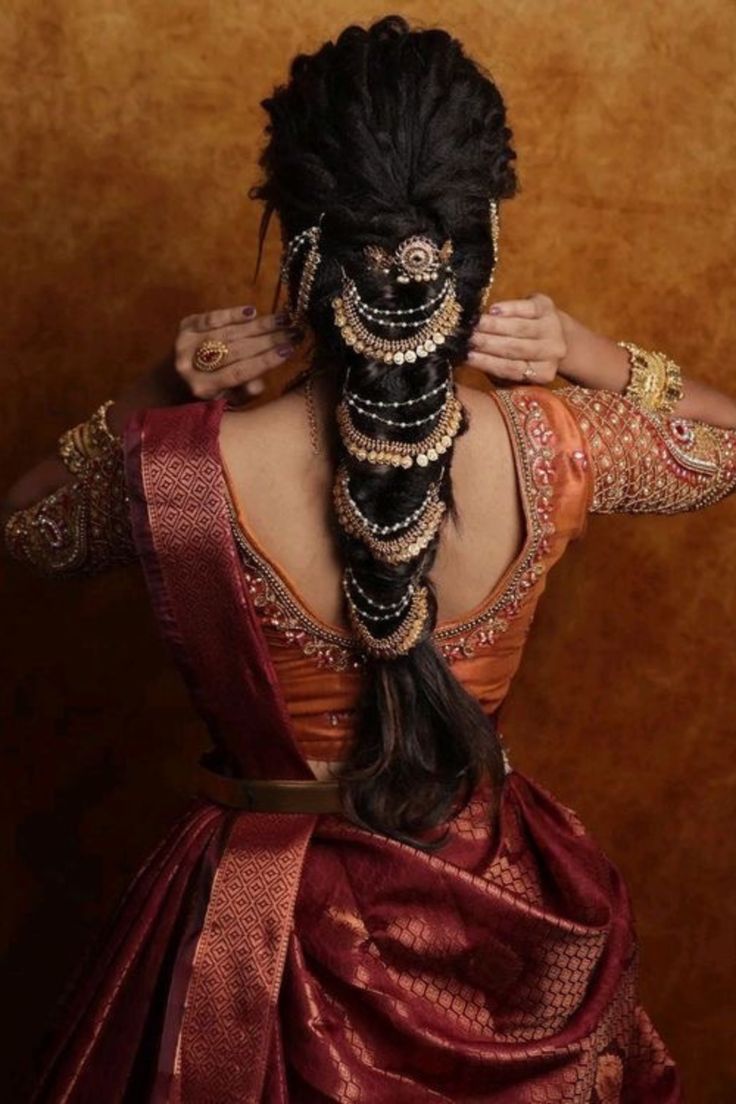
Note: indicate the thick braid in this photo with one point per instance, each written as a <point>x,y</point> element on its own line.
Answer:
<point>392,488</point>
<point>387,153</point>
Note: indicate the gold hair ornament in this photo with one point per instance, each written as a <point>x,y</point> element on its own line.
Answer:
<point>429,332</point>
<point>420,527</point>
<point>403,638</point>
<point>299,300</point>
<point>495,239</point>
<point>402,453</point>
<point>417,258</point>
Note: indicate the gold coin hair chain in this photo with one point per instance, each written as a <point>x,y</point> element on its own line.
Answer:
<point>426,327</point>
<point>343,481</point>
<point>402,454</point>
<point>403,638</point>
<point>415,534</point>
<point>432,332</point>
<point>402,549</point>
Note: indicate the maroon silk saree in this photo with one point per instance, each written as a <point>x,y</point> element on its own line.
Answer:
<point>297,958</point>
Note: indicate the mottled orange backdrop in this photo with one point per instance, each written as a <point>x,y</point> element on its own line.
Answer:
<point>132,134</point>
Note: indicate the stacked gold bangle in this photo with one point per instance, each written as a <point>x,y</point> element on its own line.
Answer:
<point>655,382</point>
<point>79,445</point>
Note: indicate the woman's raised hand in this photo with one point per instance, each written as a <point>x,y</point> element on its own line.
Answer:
<point>255,344</point>
<point>522,340</point>
<point>518,340</point>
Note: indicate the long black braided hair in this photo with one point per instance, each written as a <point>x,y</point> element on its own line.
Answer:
<point>385,133</point>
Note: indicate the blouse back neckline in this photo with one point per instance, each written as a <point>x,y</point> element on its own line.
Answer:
<point>450,627</point>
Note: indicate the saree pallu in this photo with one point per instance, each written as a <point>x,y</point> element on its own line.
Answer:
<point>503,974</point>
<point>299,959</point>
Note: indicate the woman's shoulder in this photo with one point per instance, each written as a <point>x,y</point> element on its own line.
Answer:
<point>271,432</point>
<point>534,413</point>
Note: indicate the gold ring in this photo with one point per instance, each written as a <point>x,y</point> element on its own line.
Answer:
<point>209,355</point>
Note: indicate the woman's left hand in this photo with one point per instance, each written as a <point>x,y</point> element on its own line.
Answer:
<point>252,346</point>
<point>521,340</point>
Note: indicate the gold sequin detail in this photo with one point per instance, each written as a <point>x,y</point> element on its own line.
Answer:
<point>78,445</point>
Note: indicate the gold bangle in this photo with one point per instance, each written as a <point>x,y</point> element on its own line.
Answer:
<point>81,443</point>
<point>655,382</point>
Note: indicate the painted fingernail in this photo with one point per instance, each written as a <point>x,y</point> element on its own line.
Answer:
<point>284,350</point>
<point>281,319</point>
<point>249,312</point>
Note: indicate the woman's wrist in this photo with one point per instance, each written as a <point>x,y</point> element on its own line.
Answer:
<point>595,361</point>
<point>592,360</point>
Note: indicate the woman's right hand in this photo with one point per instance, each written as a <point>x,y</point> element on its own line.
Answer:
<point>520,340</point>
<point>256,344</point>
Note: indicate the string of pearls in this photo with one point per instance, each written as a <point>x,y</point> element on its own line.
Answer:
<point>380,404</point>
<point>386,530</point>
<point>389,421</point>
<point>294,245</point>
<point>372,601</point>
<point>389,316</point>
<point>401,312</point>
<point>395,608</point>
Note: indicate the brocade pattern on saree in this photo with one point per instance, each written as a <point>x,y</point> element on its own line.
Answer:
<point>317,960</point>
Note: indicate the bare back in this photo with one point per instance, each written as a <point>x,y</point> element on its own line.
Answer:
<point>284,491</point>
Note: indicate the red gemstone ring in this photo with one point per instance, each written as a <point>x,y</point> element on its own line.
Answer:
<point>209,356</point>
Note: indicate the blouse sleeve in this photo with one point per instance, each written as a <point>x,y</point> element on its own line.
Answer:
<point>645,462</point>
<point>83,528</point>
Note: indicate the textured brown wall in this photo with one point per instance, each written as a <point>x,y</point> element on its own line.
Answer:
<point>132,134</point>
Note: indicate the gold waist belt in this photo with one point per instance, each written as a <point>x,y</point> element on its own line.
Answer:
<point>269,795</point>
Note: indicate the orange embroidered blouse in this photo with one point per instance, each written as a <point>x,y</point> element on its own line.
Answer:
<point>320,666</point>
<point>577,451</point>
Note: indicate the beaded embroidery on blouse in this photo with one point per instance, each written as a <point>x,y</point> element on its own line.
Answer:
<point>81,528</point>
<point>536,447</point>
<point>645,462</point>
